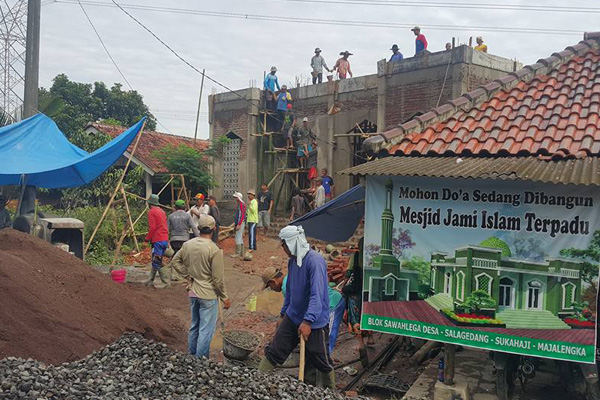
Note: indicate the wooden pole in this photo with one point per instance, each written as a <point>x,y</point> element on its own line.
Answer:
<point>172,193</point>
<point>137,245</point>
<point>114,193</point>
<point>185,192</point>
<point>198,113</point>
<point>302,359</point>
<point>449,362</point>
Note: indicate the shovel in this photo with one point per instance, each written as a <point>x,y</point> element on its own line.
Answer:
<point>302,359</point>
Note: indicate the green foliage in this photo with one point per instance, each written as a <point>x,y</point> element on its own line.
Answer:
<point>421,265</point>
<point>578,309</point>
<point>590,256</point>
<point>496,243</point>
<point>477,300</point>
<point>192,163</point>
<point>217,145</point>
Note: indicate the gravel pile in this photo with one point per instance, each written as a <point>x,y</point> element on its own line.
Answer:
<point>135,368</point>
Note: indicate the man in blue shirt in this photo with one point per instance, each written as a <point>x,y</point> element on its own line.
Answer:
<point>396,56</point>
<point>327,183</point>
<point>305,309</point>
<point>284,98</point>
<point>271,85</point>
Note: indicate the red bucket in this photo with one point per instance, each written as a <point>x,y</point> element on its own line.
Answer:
<point>118,275</point>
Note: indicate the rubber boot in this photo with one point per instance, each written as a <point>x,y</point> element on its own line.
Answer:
<point>265,365</point>
<point>241,252</point>
<point>237,252</point>
<point>327,380</point>
<point>310,375</point>
<point>150,280</point>
<point>164,276</point>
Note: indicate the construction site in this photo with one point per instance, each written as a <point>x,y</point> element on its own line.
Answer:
<point>361,237</point>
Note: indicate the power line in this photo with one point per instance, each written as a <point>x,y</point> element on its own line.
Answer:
<point>438,4</point>
<point>104,46</point>
<point>319,21</point>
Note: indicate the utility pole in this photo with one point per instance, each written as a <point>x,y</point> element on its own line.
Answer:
<point>199,104</point>
<point>32,58</point>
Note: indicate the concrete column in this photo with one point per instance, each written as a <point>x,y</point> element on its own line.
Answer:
<point>251,182</point>
<point>331,127</point>
<point>148,182</point>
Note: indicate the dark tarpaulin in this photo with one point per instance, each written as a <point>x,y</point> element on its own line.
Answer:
<point>338,219</point>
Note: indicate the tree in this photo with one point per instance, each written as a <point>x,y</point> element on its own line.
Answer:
<point>191,163</point>
<point>590,257</point>
<point>420,265</point>
<point>477,300</point>
<point>401,241</point>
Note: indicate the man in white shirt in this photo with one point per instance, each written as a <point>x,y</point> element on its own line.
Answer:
<point>320,193</point>
<point>201,208</point>
<point>318,63</point>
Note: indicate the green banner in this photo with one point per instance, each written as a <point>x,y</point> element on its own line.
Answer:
<point>481,339</point>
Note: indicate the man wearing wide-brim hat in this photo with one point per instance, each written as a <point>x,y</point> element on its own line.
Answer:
<point>158,236</point>
<point>342,65</point>
<point>317,64</point>
<point>396,55</point>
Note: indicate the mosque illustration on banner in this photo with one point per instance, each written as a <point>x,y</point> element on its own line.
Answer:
<point>515,285</point>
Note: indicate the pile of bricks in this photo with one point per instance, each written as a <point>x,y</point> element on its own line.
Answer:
<point>338,267</point>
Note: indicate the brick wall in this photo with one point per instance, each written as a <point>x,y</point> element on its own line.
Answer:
<point>404,101</point>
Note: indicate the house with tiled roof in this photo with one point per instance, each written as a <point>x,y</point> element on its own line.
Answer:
<point>149,143</point>
<point>539,123</point>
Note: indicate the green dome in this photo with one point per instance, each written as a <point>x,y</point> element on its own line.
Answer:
<point>496,243</point>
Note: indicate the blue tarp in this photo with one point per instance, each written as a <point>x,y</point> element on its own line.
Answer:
<point>338,219</point>
<point>36,148</point>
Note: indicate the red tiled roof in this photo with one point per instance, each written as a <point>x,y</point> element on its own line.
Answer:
<point>419,310</point>
<point>152,141</point>
<point>549,109</point>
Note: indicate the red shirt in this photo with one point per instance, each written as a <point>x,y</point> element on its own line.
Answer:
<point>157,226</point>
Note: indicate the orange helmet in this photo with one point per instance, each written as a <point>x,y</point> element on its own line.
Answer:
<point>199,196</point>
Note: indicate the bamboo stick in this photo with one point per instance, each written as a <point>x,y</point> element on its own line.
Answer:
<point>137,245</point>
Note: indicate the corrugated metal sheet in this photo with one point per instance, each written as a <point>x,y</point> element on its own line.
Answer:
<point>585,171</point>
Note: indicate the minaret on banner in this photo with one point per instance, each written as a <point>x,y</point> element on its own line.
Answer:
<point>385,260</point>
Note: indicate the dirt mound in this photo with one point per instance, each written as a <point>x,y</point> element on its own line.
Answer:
<point>55,308</point>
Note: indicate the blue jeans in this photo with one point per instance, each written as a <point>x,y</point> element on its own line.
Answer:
<point>158,251</point>
<point>252,235</point>
<point>202,328</point>
<point>335,320</point>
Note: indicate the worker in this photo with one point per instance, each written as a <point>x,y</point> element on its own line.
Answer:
<point>277,281</point>
<point>239,221</point>
<point>252,219</point>
<point>299,204</point>
<point>158,236</point>
<point>448,46</point>
<point>342,65</point>
<point>284,98</point>
<point>287,126</point>
<point>216,214</point>
<point>420,41</point>
<point>265,207</point>
<point>4,214</point>
<point>271,86</point>
<point>396,55</point>
<point>319,193</point>
<point>305,310</point>
<point>317,63</point>
<point>179,224</point>
<point>305,141</point>
<point>200,261</point>
<point>328,185</point>
<point>480,45</point>
<point>198,209</point>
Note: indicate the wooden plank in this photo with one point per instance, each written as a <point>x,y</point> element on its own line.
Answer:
<point>449,363</point>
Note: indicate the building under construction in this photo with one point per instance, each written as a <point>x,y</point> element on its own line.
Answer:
<point>341,114</point>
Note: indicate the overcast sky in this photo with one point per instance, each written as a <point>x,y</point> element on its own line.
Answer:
<point>237,51</point>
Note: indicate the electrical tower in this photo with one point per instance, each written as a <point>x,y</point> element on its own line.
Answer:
<point>13,35</point>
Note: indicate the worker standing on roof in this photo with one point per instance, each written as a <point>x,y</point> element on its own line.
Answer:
<point>305,310</point>
<point>271,85</point>
<point>480,45</point>
<point>158,236</point>
<point>396,55</point>
<point>317,63</point>
<point>420,41</point>
<point>342,65</point>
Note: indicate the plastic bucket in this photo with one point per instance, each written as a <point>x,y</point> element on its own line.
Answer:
<point>118,275</point>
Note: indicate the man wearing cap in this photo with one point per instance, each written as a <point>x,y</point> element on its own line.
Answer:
<point>180,223</point>
<point>396,55</point>
<point>275,280</point>
<point>271,85</point>
<point>317,63</point>
<point>158,236</point>
<point>239,221</point>
<point>200,261</point>
<point>305,310</point>
<point>252,219</point>
<point>342,65</point>
<point>480,45</point>
<point>420,41</point>
<point>4,214</point>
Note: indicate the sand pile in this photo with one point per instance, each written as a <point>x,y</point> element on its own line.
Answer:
<point>55,308</point>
